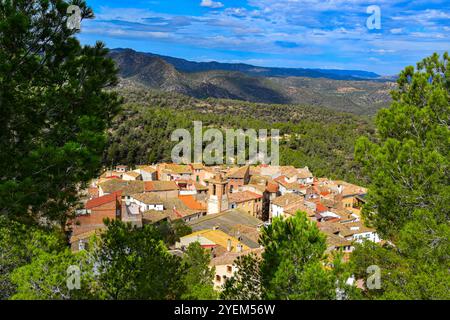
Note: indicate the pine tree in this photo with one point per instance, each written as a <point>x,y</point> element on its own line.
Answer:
<point>55,109</point>
<point>409,196</point>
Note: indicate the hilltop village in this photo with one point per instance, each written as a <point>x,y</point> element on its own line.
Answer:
<point>226,207</point>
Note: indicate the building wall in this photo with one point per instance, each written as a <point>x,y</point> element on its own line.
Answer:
<point>372,236</point>
<point>146,176</point>
<point>276,211</point>
<point>223,272</point>
<point>234,184</point>
<point>217,205</point>
<point>252,207</point>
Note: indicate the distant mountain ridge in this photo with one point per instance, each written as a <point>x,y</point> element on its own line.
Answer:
<point>253,84</point>
<point>183,65</point>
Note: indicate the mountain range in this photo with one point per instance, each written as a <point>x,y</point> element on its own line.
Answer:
<point>354,91</point>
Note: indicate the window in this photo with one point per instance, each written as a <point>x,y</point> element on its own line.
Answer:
<point>82,245</point>
<point>218,278</point>
<point>229,269</point>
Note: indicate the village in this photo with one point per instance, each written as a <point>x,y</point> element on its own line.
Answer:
<point>226,207</point>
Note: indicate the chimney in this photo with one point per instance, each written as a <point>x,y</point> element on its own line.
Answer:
<point>239,247</point>
<point>340,189</point>
<point>229,245</point>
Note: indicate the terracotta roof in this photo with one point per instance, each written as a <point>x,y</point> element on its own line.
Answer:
<point>87,234</point>
<point>358,227</point>
<point>153,216</point>
<point>287,200</point>
<point>280,179</point>
<point>160,186</point>
<point>178,209</point>
<point>192,203</point>
<point>272,187</point>
<point>133,187</point>
<point>103,200</point>
<point>259,187</point>
<point>238,173</point>
<point>146,168</point>
<point>178,168</point>
<point>337,241</point>
<point>293,209</point>
<point>196,166</point>
<point>147,198</point>
<point>258,179</point>
<point>320,208</point>
<point>199,186</point>
<point>219,237</point>
<point>228,258</point>
<point>289,171</point>
<point>243,196</point>
<point>304,173</point>
<point>113,185</point>
<point>132,174</point>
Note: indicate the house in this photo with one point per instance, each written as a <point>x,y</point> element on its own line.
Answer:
<point>211,239</point>
<point>92,218</point>
<point>306,206</point>
<point>177,209</point>
<point>337,243</point>
<point>145,201</point>
<point>285,186</point>
<point>285,202</point>
<point>155,217</point>
<point>98,209</point>
<point>200,173</point>
<point>172,172</point>
<point>238,177</point>
<point>359,232</point>
<point>110,186</point>
<point>80,241</point>
<point>192,203</point>
<point>262,189</point>
<point>121,169</point>
<point>233,222</point>
<point>225,266</point>
<point>131,175</point>
<point>304,176</point>
<point>147,173</point>
<point>164,189</point>
<point>247,201</point>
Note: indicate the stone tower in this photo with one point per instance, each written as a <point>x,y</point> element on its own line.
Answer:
<point>217,195</point>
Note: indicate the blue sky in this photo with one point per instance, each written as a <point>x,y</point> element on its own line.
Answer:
<point>278,33</point>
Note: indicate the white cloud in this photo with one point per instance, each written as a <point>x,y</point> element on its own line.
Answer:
<point>396,30</point>
<point>211,4</point>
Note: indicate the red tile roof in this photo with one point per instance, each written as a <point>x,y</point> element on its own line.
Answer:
<point>243,196</point>
<point>321,208</point>
<point>192,203</point>
<point>103,200</point>
<point>160,186</point>
<point>272,187</point>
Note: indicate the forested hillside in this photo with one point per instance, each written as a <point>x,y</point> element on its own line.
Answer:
<point>338,91</point>
<point>318,138</point>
